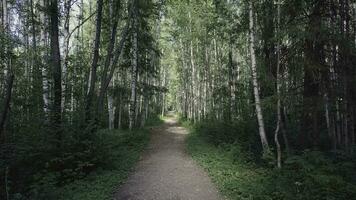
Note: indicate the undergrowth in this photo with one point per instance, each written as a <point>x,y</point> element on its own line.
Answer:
<point>125,148</point>
<point>238,175</point>
<point>85,166</point>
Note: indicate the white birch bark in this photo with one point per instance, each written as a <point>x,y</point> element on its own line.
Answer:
<point>132,108</point>
<point>259,114</point>
<point>279,115</point>
<point>44,39</point>
<point>65,47</point>
<point>111,108</point>
<point>164,95</point>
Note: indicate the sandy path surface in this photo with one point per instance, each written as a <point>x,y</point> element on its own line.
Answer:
<point>166,171</point>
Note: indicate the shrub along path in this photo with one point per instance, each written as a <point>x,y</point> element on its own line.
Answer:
<point>166,171</point>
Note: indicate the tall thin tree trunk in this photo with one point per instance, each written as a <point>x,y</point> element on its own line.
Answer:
<point>67,8</point>
<point>164,95</point>
<point>259,114</point>
<point>111,107</point>
<point>352,131</point>
<point>36,74</point>
<point>4,15</point>
<point>145,100</point>
<point>57,70</point>
<point>279,107</point>
<point>119,118</point>
<point>106,78</point>
<point>114,24</point>
<point>44,71</point>
<point>5,109</point>
<point>230,84</point>
<point>134,66</point>
<point>94,65</point>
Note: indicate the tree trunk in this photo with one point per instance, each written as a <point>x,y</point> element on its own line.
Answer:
<point>279,106</point>
<point>259,114</point>
<point>36,74</point>
<point>106,78</point>
<point>114,19</point>
<point>67,8</point>
<point>44,53</point>
<point>57,72</point>
<point>6,107</point>
<point>111,108</point>
<point>134,66</point>
<point>230,85</point>
<point>145,100</point>
<point>4,19</point>
<point>164,94</point>
<point>119,118</point>
<point>94,65</point>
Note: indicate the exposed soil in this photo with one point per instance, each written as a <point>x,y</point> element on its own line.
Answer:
<point>166,171</point>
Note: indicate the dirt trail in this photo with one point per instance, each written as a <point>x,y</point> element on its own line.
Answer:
<point>166,172</point>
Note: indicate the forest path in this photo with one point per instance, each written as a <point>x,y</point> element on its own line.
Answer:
<point>166,171</point>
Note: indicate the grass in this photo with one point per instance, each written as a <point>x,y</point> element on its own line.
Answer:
<point>125,149</point>
<point>238,178</point>
<point>155,121</point>
<point>232,179</point>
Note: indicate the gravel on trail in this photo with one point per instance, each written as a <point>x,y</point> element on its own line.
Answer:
<point>166,171</point>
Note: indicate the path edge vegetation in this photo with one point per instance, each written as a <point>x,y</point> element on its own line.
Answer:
<point>126,148</point>
<point>238,174</point>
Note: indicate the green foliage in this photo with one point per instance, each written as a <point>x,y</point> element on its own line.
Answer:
<point>154,121</point>
<point>40,171</point>
<point>239,138</point>
<point>121,150</point>
<point>311,175</point>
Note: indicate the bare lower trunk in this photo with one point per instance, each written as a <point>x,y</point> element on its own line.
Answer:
<point>67,8</point>
<point>144,102</point>
<point>279,107</point>
<point>164,95</point>
<point>111,108</point>
<point>6,106</point>
<point>4,15</point>
<point>7,188</point>
<point>132,111</point>
<point>352,131</point>
<point>284,130</point>
<point>106,78</point>
<point>94,65</point>
<point>36,72</point>
<point>119,125</point>
<point>44,71</point>
<point>138,108</point>
<point>109,56</point>
<point>57,71</point>
<point>338,124</point>
<point>45,88</point>
<point>259,114</point>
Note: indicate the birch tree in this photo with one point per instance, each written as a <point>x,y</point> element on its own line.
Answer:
<point>95,60</point>
<point>134,66</point>
<point>256,92</point>
<point>279,107</point>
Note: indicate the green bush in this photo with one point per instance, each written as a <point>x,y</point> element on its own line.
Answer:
<point>38,170</point>
<point>311,175</point>
<point>125,148</point>
<point>154,121</point>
